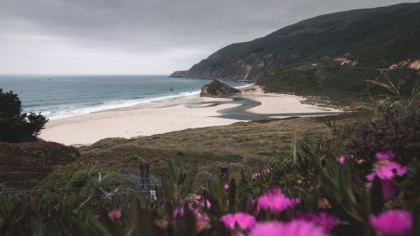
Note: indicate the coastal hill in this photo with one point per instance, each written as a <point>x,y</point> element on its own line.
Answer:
<point>377,38</point>
<point>23,165</point>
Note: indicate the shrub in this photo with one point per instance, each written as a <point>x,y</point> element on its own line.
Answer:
<point>16,126</point>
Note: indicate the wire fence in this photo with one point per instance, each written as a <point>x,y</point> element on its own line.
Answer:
<point>26,181</point>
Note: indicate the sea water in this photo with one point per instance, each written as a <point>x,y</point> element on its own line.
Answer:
<point>64,96</point>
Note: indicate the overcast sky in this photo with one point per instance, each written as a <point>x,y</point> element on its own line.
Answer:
<point>140,36</point>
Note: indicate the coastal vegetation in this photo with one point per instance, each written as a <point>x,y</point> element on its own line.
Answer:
<point>343,175</point>
<point>16,126</point>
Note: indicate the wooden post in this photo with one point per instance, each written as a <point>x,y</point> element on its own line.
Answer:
<point>224,174</point>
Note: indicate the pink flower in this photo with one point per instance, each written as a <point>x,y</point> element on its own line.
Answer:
<point>342,159</point>
<point>267,229</point>
<point>275,201</point>
<point>386,155</point>
<point>199,199</point>
<point>293,228</point>
<point>387,171</point>
<point>267,171</point>
<point>114,215</point>
<point>321,219</point>
<point>177,212</point>
<point>255,176</point>
<point>226,186</point>
<point>241,220</point>
<point>207,204</point>
<point>392,223</point>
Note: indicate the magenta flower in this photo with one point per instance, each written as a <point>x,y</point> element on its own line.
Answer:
<point>241,220</point>
<point>321,219</point>
<point>275,201</point>
<point>207,204</point>
<point>392,223</point>
<point>114,215</point>
<point>199,200</point>
<point>293,228</point>
<point>387,171</point>
<point>267,229</point>
<point>177,212</point>
<point>198,197</point>
<point>386,155</point>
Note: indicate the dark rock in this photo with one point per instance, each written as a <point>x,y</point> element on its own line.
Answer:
<point>218,89</point>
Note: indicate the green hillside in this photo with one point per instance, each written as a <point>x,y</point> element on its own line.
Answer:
<point>368,39</point>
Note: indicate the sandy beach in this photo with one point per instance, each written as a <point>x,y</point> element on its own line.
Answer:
<point>185,113</point>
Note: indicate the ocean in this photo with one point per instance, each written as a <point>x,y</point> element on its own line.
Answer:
<point>64,96</point>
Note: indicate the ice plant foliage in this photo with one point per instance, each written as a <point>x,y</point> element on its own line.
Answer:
<point>392,223</point>
<point>321,219</point>
<point>240,220</point>
<point>293,228</point>
<point>275,201</point>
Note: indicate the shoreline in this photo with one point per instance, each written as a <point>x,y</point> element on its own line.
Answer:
<point>178,114</point>
<point>126,104</point>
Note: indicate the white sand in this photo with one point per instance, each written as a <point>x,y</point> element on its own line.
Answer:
<point>162,117</point>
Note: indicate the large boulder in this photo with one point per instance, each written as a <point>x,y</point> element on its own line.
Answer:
<point>218,89</point>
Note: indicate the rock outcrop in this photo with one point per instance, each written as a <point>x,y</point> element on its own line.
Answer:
<point>218,89</point>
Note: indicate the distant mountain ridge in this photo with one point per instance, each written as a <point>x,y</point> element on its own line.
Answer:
<point>377,38</point>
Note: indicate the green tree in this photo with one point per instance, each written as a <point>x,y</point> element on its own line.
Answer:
<point>16,126</point>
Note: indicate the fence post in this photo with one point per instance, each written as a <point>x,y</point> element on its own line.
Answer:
<point>145,179</point>
<point>224,174</point>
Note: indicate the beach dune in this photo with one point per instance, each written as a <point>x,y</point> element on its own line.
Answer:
<point>185,113</point>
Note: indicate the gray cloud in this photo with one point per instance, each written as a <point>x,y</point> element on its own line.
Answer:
<point>139,36</point>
